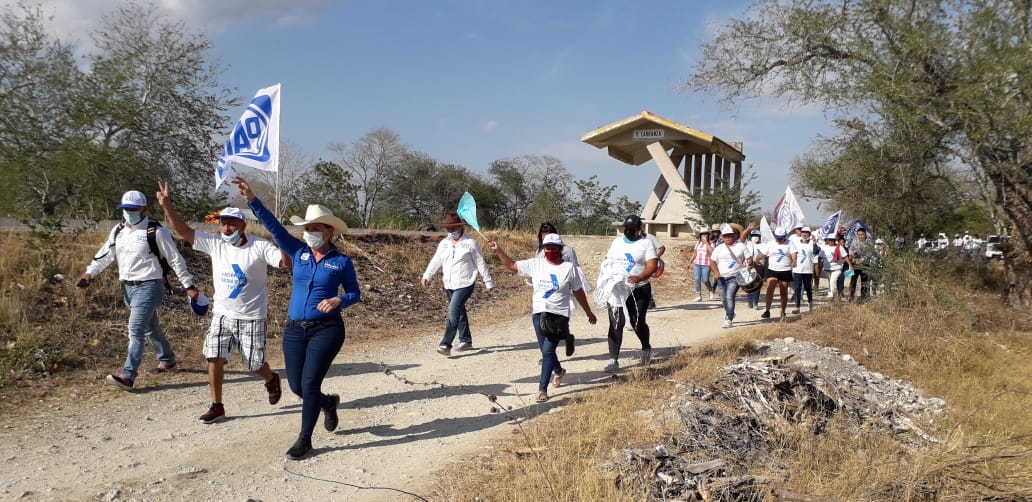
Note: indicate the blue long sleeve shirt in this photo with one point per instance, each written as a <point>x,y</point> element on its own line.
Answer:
<point>313,281</point>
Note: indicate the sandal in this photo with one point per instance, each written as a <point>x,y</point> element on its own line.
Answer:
<point>557,378</point>
<point>542,397</point>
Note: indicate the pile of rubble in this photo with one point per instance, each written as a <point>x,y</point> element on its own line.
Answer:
<point>788,384</point>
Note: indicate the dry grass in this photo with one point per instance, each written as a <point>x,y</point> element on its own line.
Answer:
<point>940,329</point>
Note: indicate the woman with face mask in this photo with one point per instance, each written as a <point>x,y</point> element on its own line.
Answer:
<point>555,282</point>
<point>459,258</point>
<point>637,258</point>
<point>569,255</point>
<point>314,332</point>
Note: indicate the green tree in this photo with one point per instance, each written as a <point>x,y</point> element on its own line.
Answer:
<point>533,189</point>
<point>724,204</point>
<point>944,75</point>
<point>329,184</point>
<point>370,160</point>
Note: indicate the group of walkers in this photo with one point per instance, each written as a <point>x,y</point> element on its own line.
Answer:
<point>791,262</point>
<point>324,283</point>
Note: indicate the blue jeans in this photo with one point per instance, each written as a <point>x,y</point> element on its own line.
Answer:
<point>729,286</point>
<point>143,300</point>
<point>549,359</point>
<point>702,277</point>
<point>457,321</point>
<point>308,354</point>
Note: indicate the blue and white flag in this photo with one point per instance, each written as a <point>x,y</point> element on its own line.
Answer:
<point>857,225</point>
<point>831,226</point>
<point>787,213</point>
<point>254,141</point>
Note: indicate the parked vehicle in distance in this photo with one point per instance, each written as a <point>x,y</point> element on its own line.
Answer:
<point>992,247</point>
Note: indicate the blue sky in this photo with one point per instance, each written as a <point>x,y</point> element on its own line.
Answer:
<point>472,81</point>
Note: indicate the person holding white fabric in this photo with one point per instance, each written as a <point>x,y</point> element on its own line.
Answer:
<point>638,257</point>
<point>459,258</point>
<point>726,260</point>
<point>555,283</point>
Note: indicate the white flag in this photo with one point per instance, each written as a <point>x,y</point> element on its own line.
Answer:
<point>787,213</point>
<point>766,235</point>
<point>254,141</point>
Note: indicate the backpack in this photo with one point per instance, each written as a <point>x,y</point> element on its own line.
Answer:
<point>152,243</point>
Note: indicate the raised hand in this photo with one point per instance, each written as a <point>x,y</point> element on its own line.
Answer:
<point>243,187</point>
<point>163,195</point>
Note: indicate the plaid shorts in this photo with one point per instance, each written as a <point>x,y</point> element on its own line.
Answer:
<point>227,335</point>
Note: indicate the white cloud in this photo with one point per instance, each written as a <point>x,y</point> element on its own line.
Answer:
<point>491,125</point>
<point>73,20</point>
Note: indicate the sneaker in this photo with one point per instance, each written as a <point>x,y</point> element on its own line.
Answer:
<point>121,382</point>
<point>765,314</point>
<point>330,420</point>
<point>161,368</point>
<point>652,304</point>
<point>557,378</point>
<point>301,448</point>
<point>273,388</point>
<point>795,311</point>
<point>698,298</point>
<point>464,346</point>
<point>646,357</point>
<point>612,367</point>
<point>571,344</point>
<point>711,296</point>
<point>542,397</point>
<point>809,307</point>
<point>444,350</point>
<point>216,413</point>
<point>727,323</point>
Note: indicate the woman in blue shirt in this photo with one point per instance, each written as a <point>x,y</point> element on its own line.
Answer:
<point>314,332</point>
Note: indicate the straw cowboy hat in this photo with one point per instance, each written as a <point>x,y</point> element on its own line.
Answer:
<point>317,213</point>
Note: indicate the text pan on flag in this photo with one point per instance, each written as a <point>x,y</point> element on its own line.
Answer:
<point>787,214</point>
<point>468,210</point>
<point>254,141</point>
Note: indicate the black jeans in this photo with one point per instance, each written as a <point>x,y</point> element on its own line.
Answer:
<point>865,283</point>
<point>637,307</point>
<point>308,353</point>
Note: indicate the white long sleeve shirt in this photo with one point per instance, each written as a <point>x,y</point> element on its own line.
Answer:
<point>459,262</point>
<point>133,254</point>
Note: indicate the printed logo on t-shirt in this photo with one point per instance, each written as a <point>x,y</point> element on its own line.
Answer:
<point>241,281</point>
<point>550,289</point>
<point>630,261</point>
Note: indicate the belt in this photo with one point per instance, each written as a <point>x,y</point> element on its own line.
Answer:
<point>315,322</point>
<point>139,283</point>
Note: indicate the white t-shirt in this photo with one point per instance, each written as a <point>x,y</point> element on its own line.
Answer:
<point>240,274</point>
<point>729,260</point>
<point>779,256</point>
<point>633,255</point>
<point>804,255</point>
<point>829,255</point>
<point>553,284</point>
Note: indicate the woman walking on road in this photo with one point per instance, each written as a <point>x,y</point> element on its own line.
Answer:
<point>314,332</point>
<point>554,281</point>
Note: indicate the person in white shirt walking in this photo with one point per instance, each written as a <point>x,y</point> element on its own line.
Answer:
<point>726,260</point>
<point>459,258</point>
<point>132,244</point>
<point>805,254</point>
<point>778,256</point>
<point>555,283</point>
<point>835,256</point>
<point>239,269</point>
<point>637,257</point>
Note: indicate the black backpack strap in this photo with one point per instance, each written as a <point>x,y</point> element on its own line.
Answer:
<point>111,243</point>
<point>152,242</point>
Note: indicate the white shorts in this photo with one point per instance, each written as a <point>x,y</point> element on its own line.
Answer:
<point>227,335</point>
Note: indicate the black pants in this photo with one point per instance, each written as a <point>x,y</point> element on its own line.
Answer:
<point>865,284</point>
<point>637,307</point>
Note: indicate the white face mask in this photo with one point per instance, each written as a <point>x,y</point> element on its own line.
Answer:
<point>454,235</point>
<point>314,239</point>
<point>132,217</point>
<point>232,239</point>
<point>755,239</point>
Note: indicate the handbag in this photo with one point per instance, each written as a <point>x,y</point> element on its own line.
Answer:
<point>746,276</point>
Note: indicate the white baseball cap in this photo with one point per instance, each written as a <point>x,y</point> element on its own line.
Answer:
<point>551,240</point>
<point>133,199</point>
<point>231,212</point>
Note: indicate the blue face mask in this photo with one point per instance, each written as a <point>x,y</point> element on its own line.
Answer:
<point>454,235</point>
<point>232,239</point>
<point>132,217</point>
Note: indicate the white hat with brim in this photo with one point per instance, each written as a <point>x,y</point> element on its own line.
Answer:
<point>231,212</point>
<point>726,229</point>
<point>317,213</point>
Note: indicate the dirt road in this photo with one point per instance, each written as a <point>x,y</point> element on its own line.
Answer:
<point>396,427</point>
